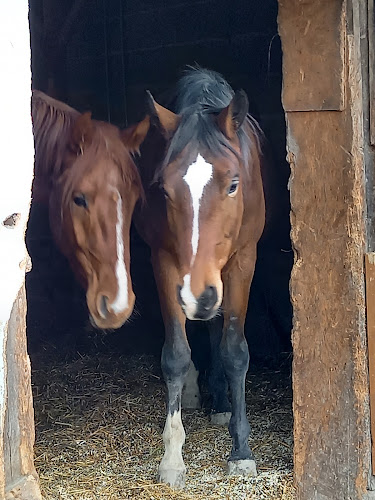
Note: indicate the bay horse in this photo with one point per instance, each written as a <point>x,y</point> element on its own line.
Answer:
<point>85,174</point>
<point>203,216</point>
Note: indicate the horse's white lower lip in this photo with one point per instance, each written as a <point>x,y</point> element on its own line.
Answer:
<point>193,318</point>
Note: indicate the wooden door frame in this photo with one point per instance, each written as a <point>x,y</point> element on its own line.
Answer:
<point>323,84</point>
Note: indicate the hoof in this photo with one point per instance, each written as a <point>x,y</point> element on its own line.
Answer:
<point>175,478</point>
<point>220,418</point>
<point>191,401</point>
<point>241,468</point>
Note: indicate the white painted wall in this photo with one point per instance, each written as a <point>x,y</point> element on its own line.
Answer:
<point>16,158</point>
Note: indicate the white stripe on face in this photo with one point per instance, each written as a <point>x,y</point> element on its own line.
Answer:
<point>121,300</point>
<point>189,301</point>
<point>197,177</point>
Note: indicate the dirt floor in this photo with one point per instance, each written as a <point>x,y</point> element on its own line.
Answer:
<point>99,422</point>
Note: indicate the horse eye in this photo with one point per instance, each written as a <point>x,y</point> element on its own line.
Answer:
<point>165,192</point>
<point>80,201</point>
<point>233,187</point>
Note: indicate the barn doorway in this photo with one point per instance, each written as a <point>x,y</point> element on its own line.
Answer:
<point>95,394</point>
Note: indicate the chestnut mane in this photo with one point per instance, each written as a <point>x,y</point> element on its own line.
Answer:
<point>53,122</point>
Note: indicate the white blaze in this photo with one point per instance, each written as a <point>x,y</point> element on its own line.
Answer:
<point>121,300</point>
<point>197,177</point>
<point>189,301</point>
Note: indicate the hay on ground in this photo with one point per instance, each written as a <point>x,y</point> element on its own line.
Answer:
<point>99,422</point>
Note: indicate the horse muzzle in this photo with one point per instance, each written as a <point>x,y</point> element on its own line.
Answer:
<point>203,308</point>
<point>104,317</point>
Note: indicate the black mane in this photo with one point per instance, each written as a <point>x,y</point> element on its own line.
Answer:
<point>201,94</point>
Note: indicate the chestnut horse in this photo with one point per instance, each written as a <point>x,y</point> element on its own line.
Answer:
<point>85,173</point>
<point>203,217</point>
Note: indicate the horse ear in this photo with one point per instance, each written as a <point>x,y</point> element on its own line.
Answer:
<point>134,135</point>
<point>82,131</point>
<point>232,117</point>
<point>164,119</point>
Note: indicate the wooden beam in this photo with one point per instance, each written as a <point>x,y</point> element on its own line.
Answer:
<point>316,64</point>
<point>371,41</point>
<point>18,478</point>
<point>370,309</point>
<point>325,151</point>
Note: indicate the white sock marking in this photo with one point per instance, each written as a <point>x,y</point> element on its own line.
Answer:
<point>121,301</point>
<point>197,177</point>
<point>174,439</point>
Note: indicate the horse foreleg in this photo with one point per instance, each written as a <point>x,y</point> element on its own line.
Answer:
<point>218,384</point>
<point>235,356</point>
<point>175,361</point>
<point>191,396</point>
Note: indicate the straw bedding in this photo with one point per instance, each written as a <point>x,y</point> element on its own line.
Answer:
<point>99,422</point>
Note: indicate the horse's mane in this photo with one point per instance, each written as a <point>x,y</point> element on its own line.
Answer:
<point>52,126</point>
<point>200,95</point>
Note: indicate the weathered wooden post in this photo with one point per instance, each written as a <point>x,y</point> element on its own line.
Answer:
<point>325,54</point>
<point>17,474</point>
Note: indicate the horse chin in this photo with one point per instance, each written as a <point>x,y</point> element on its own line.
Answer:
<point>112,321</point>
<point>107,324</point>
<point>192,315</point>
<point>101,314</point>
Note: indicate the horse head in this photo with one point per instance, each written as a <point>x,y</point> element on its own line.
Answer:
<point>204,177</point>
<point>93,188</point>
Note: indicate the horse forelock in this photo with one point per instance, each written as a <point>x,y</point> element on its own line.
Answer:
<point>201,95</point>
<point>52,125</point>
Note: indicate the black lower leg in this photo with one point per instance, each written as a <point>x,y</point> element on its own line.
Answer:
<point>235,356</point>
<point>217,380</point>
<point>175,360</point>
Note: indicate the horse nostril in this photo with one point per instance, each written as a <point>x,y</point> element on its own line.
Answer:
<point>179,298</point>
<point>209,298</point>
<point>103,306</point>
<point>206,303</point>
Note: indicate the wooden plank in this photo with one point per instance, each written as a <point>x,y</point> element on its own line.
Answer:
<point>330,384</point>
<point>21,480</point>
<point>371,40</point>
<point>316,64</point>
<point>325,151</point>
<point>370,309</point>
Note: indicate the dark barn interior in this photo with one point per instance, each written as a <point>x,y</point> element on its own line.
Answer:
<point>102,56</point>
